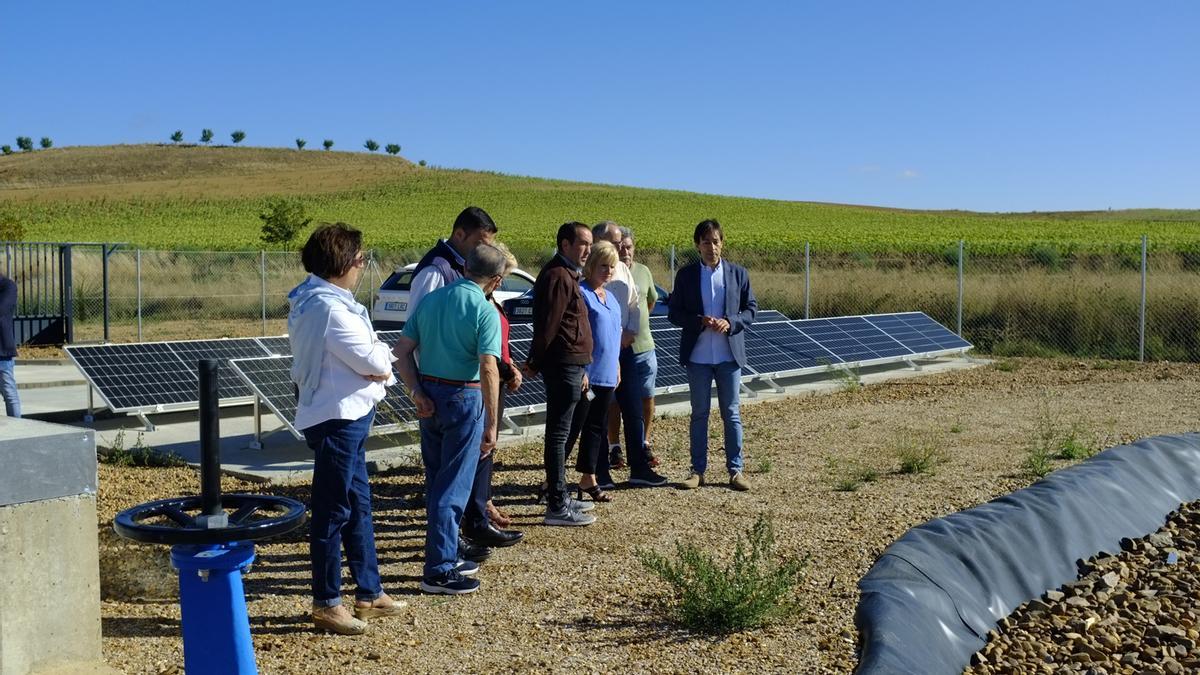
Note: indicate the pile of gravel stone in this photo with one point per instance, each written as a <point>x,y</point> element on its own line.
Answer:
<point>1136,612</point>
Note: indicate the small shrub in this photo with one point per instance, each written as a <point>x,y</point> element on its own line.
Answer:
<point>177,137</point>
<point>371,145</point>
<point>919,454</point>
<point>300,143</point>
<point>846,484</point>
<point>867,474</point>
<point>1005,365</point>
<point>392,149</point>
<point>237,136</point>
<point>1046,255</point>
<point>765,465</point>
<point>327,143</point>
<point>282,222</point>
<point>46,143</point>
<point>206,136</point>
<point>6,149</point>
<point>751,590</point>
<point>25,143</point>
<point>421,163</point>
<point>139,454</point>
<point>848,380</point>
<point>1037,462</point>
<point>957,427</point>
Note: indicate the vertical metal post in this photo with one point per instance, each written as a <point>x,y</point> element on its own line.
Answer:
<point>1142,312</point>
<point>68,293</point>
<point>137,264</point>
<point>210,439</point>
<point>262,263</point>
<point>672,267</point>
<point>960,286</point>
<point>807,276</point>
<point>104,293</point>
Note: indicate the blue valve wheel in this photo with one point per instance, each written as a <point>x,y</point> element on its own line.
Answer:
<point>174,520</point>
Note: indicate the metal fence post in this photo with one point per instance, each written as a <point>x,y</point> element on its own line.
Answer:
<point>672,267</point>
<point>960,286</point>
<point>1142,312</point>
<point>807,277</point>
<point>262,263</point>
<point>68,286</point>
<point>137,263</point>
<point>104,294</point>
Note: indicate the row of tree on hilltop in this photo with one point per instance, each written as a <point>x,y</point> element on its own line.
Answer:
<point>206,136</point>
<point>25,144</point>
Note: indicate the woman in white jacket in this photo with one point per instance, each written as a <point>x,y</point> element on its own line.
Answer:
<point>340,369</point>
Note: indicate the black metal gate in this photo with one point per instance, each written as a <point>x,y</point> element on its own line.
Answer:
<point>42,271</point>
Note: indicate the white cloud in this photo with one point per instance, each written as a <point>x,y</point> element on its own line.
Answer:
<point>909,174</point>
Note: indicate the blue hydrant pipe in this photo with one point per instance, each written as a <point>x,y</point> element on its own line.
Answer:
<point>216,626</point>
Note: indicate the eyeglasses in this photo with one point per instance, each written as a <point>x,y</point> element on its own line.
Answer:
<point>360,260</point>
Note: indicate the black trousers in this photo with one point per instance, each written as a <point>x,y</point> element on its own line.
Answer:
<point>590,426</point>
<point>563,382</point>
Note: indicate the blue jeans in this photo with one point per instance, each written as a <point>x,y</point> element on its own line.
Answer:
<point>8,388</point>
<point>728,376</point>
<point>629,402</point>
<point>341,511</point>
<point>450,450</point>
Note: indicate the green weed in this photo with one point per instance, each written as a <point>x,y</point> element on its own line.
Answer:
<point>139,454</point>
<point>919,454</point>
<point>751,590</point>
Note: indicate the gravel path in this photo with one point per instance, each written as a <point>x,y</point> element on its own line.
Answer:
<point>577,600</point>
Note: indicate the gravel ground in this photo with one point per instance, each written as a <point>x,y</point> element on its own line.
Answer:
<point>577,600</point>
<point>1129,613</point>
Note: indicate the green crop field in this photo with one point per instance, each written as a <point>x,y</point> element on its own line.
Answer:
<point>168,197</point>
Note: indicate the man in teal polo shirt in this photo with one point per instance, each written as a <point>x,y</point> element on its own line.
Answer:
<point>454,381</point>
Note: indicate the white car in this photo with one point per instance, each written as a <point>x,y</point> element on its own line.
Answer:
<point>390,310</point>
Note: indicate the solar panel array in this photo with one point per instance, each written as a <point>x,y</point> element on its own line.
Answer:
<point>158,376</point>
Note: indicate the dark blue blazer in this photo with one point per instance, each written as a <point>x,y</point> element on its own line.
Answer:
<point>686,308</point>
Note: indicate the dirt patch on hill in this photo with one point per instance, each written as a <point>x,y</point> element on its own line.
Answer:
<point>577,600</point>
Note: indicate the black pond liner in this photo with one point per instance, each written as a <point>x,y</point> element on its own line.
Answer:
<point>929,601</point>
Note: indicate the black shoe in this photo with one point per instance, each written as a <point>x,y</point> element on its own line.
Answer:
<point>473,552</point>
<point>450,583</point>
<point>490,535</point>
<point>647,479</point>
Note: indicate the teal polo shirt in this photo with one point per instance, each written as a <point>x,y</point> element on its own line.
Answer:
<point>453,326</point>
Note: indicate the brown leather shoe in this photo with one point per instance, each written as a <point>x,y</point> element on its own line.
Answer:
<point>693,481</point>
<point>738,482</point>
<point>328,618</point>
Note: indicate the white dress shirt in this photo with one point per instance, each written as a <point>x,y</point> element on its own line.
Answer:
<point>712,346</point>
<point>625,290</point>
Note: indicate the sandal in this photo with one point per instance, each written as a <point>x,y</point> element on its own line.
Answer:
<point>594,492</point>
<point>498,517</point>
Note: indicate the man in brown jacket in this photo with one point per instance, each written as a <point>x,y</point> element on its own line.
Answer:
<point>561,347</point>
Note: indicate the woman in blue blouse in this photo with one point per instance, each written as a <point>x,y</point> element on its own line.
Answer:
<point>603,374</point>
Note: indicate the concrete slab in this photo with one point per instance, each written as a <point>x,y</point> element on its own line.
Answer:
<point>285,460</point>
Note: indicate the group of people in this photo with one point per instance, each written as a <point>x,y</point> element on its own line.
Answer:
<point>592,347</point>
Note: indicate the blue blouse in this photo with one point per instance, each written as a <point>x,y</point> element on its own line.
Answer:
<point>605,319</point>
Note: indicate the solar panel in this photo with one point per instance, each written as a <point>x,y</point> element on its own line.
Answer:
<point>140,376</point>
<point>278,345</point>
<point>271,380</point>
<point>776,347</point>
<point>852,339</point>
<point>918,332</point>
<point>191,352</point>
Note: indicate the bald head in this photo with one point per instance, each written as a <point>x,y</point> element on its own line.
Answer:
<point>607,231</point>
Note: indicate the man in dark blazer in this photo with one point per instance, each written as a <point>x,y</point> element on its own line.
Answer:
<point>713,304</point>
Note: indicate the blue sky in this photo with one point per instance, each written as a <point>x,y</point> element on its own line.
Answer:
<point>988,106</point>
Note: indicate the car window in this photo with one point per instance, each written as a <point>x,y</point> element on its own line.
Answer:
<point>514,283</point>
<point>399,281</point>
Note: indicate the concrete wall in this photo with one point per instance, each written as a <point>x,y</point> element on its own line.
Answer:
<point>49,567</point>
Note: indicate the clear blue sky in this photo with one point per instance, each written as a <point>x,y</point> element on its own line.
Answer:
<point>1005,106</point>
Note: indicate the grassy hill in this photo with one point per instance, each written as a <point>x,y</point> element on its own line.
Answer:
<point>190,197</point>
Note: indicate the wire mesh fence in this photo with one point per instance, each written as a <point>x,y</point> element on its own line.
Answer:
<point>1042,303</point>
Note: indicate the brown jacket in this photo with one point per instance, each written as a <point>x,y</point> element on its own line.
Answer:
<point>561,332</point>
